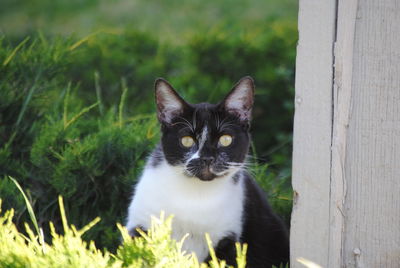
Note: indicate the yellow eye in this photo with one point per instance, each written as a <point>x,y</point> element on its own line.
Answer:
<point>187,141</point>
<point>225,140</point>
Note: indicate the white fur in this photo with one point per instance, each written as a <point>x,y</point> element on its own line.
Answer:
<point>203,137</point>
<point>237,99</point>
<point>172,104</point>
<point>215,207</point>
<point>241,99</point>
<point>202,140</point>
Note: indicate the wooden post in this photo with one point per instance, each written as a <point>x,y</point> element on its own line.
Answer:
<point>346,155</point>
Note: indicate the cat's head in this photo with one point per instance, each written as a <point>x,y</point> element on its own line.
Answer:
<point>207,141</point>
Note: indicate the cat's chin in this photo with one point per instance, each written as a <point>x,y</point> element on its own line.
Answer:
<point>206,175</point>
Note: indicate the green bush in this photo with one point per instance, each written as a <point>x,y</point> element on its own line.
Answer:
<point>77,115</point>
<point>153,249</point>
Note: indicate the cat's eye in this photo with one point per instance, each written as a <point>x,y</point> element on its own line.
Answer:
<point>225,140</point>
<point>187,141</point>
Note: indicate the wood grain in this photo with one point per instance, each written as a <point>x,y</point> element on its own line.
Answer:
<point>346,154</point>
<point>312,133</point>
<point>372,174</point>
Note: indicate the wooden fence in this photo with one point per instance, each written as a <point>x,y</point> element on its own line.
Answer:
<point>346,155</point>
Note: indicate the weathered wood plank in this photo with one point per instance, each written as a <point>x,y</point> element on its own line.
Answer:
<point>312,132</point>
<point>343,66</point>
<point>346,167</point>
<point>372,157</point>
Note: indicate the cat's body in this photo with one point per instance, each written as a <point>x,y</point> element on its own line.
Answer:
<point>197,174</point>
<point>196,206</point>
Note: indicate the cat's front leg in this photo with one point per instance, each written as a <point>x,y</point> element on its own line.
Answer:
<point>225,250</point>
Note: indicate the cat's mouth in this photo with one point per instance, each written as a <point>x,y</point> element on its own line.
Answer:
<point>206,173</point>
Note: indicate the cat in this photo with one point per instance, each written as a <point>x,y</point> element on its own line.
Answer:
<point>197,173</point>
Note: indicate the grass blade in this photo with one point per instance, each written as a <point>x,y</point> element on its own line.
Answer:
<point>98,92</point>
<point>9,58</point>
<point>214,263</point>
<point>241,251</point>
<point>122,102</point>
<point>63,215</point>
<point>66,100</point>
<point>29,208</point>
<point>76,117</point>
<point>27,100</point>
<point>83,40</point>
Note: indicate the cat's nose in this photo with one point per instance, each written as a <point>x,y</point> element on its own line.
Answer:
<point>207,160</point>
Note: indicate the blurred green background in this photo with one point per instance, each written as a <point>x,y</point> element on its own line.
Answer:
<point>76,95</point>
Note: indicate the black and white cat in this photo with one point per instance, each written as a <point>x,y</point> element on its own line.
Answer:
<point>197,173</point>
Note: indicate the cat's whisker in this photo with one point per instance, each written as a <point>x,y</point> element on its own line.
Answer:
<point>216,117</point>
<point>223,120</point>
<point>227,124</point>
<point>232,165</point>
<point>187,123</point>
<point>218,120</point>
<point>183,123</point>
<point>235,165</point>
<point>222,124</point>
<point>243,166</point>
<point>221,173</point>
<point>256,158</point>
<point>194,120</point>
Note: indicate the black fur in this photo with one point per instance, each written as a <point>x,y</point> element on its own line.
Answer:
<point>226,250</point>
<point>265,234</point>
<point>134,231</point>
<point>183,119</point>
<point>157,156</point>
<point>263,231</point>
<point>205,115</point>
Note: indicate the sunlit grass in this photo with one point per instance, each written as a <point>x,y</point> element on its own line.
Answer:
<point>154,248</point>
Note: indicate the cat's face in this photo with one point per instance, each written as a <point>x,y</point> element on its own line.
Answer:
<point>206,141</point>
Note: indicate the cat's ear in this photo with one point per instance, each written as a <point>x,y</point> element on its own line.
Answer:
<point>169,103</point>
<point>240,100</point>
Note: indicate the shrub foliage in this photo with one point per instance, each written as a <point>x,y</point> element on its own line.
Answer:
<point>153,249</point>
<point>77,118</point>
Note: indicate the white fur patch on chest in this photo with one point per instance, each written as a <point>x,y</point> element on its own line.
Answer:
<point>215,207</point>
